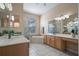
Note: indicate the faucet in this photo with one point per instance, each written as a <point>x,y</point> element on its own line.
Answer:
<point>9,35</point>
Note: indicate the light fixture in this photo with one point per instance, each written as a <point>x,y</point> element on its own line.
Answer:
<point>62,17</point>
<point>2,6</point>
<point>58,18</point>
<point>7,16</point>
<point>6,6</point>
<point>12,18</point>
<point>9,6</point>
<point>66,16</point>
<point>16,24</point>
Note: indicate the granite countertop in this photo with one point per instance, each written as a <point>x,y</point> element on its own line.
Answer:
<point>64,35</point>
<point>4,41</point>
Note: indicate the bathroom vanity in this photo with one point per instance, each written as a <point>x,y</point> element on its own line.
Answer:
<point>63,42</point>
<point>16,46</point>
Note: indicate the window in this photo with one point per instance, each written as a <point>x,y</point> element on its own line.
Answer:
<point>31,25</point>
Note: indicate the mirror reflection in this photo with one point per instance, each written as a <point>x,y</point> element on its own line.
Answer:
<point>9,23</point>
<point>64,26</point>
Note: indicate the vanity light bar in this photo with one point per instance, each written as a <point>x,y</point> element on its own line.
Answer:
<point>62,17</point>
<point>58,18</point>
<point>66,16</point>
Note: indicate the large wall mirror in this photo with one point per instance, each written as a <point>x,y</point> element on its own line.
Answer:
<point>64,26</point>
<point>8,21</point>
<point>52,27</point>
<point>70,24</point>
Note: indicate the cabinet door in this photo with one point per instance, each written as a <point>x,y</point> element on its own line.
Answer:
<point>48,40</point>
<point>45,40</point>
<point>59,43</point>
<point>52,41</point>
<point>71,46</point>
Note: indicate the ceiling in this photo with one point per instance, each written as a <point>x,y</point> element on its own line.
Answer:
<point>38,8</point>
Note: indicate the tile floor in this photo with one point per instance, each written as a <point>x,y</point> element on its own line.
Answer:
<point>44,50</point>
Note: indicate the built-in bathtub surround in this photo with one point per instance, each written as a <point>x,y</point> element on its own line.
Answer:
<point>37,39</point>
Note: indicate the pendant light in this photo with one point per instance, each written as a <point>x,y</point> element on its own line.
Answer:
<point>6,6</point>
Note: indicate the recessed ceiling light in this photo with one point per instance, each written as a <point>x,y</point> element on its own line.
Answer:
<point>66,16</point>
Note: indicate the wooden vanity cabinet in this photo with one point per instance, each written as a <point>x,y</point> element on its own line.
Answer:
<point>55,42</point>
<point>21,49</point>
<point>45,39</point>
<point>48,40</point>
<point>59,43</point>
<point>52,43</point>
<point>62,43</point>
<point>71,45</point>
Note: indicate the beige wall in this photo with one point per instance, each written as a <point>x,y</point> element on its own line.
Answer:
<point>60,9</point>
<point>26,16</point>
